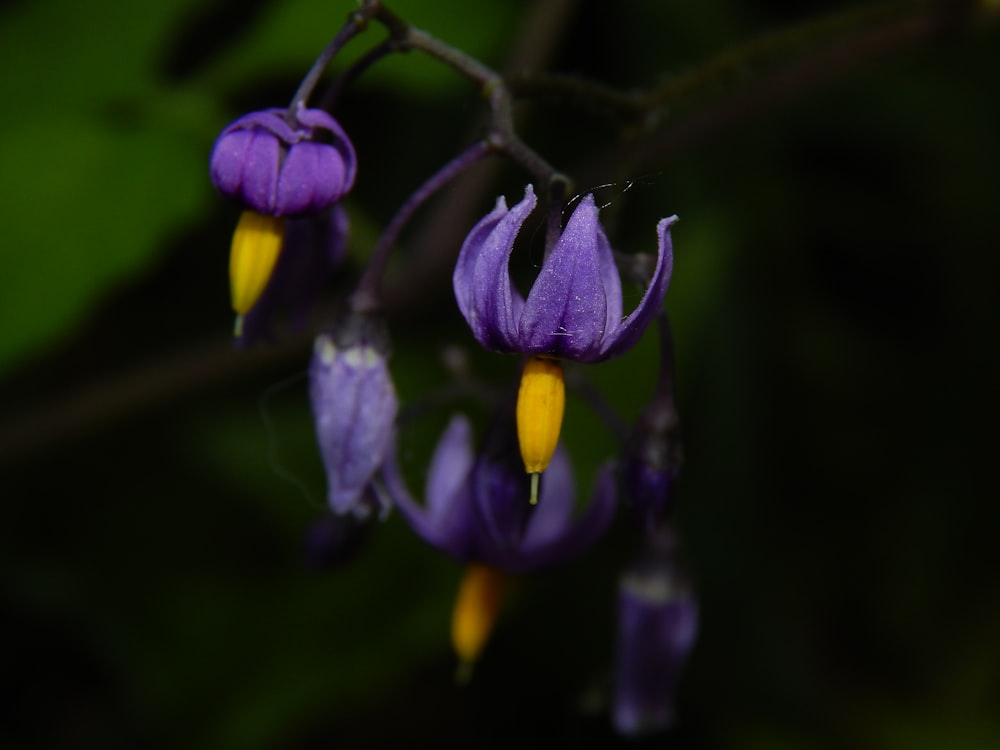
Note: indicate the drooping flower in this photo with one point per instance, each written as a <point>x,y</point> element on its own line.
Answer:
<point>354,408</point>
<point>475,509</point>
<point>657,627</point>
<point>278,162</point>
<point>475,512</point>
<point>573,310</point>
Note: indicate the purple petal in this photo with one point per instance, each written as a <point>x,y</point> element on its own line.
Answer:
<point>566,311</point>
<point>482,283</point>
<point>311,179</point>
<point>581,534</point>
<point>451,525</point>
<point>501,490</point>
<point>611,280</point>
<point>318,118</point>
<point>557,497</point>
<point>450,466</point>
<point>268,120</point>
<point>632,328</point>
<point>468,256</point>
<point>415,515</point>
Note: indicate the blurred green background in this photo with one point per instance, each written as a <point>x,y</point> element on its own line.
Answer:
<point>836,315</point>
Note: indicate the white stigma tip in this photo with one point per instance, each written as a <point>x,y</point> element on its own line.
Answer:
<point>533,499</point>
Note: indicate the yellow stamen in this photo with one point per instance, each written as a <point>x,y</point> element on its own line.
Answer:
<point>476,609</point>
<point>252,255</point>
<point>541,401</point>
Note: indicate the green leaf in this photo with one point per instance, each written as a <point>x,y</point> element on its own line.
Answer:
<point>89,206</point>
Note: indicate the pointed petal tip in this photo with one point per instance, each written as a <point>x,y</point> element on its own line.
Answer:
<point>667,222</point>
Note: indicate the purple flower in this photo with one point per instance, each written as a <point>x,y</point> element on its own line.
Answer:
<point>354,408</point>
<point>281,163</point>
<point>657,626</point>
<point>574,308</point>
<point>477,509</point>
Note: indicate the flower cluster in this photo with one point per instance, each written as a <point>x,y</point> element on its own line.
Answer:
<point>502,500</point>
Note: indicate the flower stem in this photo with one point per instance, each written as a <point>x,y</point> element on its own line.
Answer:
<point>348,76</point>
<point>367,297</point>
<point>356,22</point>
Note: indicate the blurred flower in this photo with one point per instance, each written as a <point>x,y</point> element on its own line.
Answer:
<point>354,408</point>
<point>657,626</point>
<point>475,507</point>
<point>278,162</point>
<point>476,512</point>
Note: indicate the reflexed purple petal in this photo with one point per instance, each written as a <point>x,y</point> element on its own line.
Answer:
<point>482,283</point>
<point>566,310</point>
<point>579,535</point>
<point>451,526</point>
<point>468,256</point>
<point>354,408</point>
<point>450,466</point>
<point>635,324</point>
<point>501,491</point>
<point>612,282</point>
<point>553,515</point>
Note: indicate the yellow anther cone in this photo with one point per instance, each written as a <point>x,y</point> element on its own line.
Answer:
<point>541,401</point>
<point>252,256</point>
<point>476,609</point>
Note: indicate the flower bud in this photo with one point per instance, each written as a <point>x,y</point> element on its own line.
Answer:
<point>279,162</point>
<point>657,625</point>
<point>354,408</point>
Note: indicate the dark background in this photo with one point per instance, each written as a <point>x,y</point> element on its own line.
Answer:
<point>835,311</point>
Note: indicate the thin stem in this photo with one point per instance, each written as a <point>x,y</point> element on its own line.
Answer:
<point>367,298</point>
<point>359,66</point>
<point>356,22</point>
<point>455,58</point>
<point>585,93</point>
